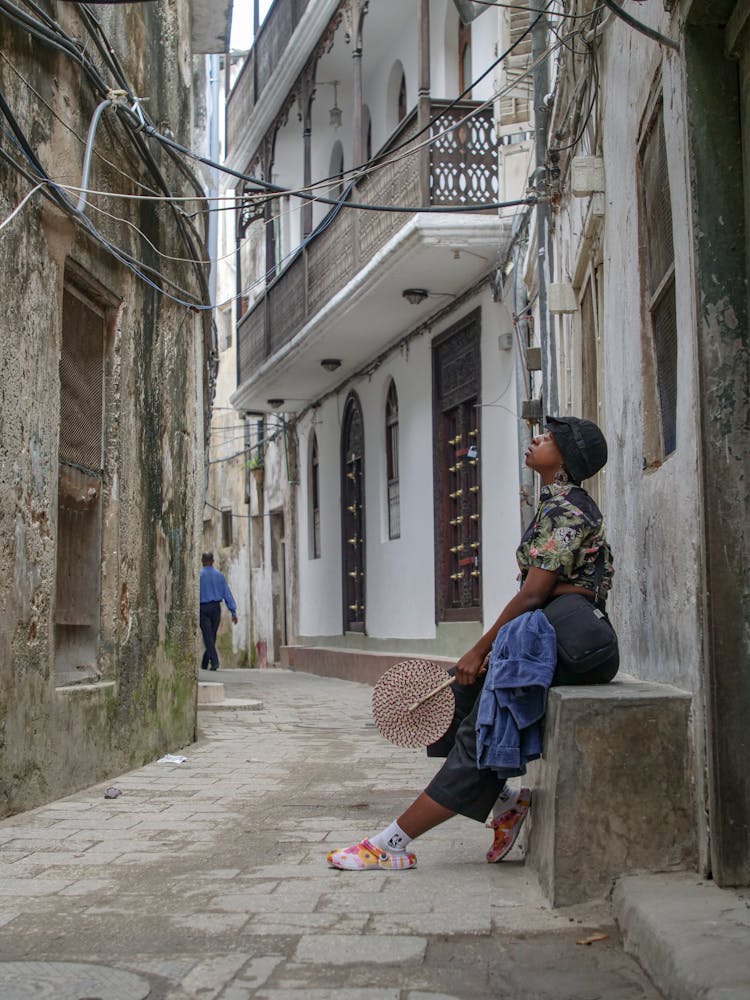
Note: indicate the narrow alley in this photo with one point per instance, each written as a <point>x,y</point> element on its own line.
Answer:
<point>208,879</point>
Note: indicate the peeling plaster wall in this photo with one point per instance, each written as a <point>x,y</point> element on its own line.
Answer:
<point>654,516</point>
<point>52,740</point>
<point>273,501</point>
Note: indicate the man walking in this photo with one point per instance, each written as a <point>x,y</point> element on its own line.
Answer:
<point>214,590</point>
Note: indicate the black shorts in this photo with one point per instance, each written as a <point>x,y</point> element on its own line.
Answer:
<point>460,785</point>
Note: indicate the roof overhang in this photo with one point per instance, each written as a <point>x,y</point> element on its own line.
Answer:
<point>446,255</point>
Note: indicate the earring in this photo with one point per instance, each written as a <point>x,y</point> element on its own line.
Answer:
<point>561,477</point>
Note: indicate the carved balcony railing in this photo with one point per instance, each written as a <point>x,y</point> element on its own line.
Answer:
<point>462,172</point>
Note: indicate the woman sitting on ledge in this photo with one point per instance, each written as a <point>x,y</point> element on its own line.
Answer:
<point>563,551</point>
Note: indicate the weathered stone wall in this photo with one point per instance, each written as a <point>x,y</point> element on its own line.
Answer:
<point>53,739</point>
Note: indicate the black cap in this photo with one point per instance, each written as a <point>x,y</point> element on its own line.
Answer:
<point>582,444</point>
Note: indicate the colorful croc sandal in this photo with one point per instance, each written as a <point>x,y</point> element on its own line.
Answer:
<point>508,826</point>
<point>366,856</point>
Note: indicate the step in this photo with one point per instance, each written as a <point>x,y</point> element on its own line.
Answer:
<point>211,697</point>
<point>612,794</point>
<point>691,937</point>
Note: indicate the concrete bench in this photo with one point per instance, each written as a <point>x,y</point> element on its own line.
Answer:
<point>612,794</point>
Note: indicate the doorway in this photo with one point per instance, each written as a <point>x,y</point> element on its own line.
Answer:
<point>353,515</point>
<point>278,585</point>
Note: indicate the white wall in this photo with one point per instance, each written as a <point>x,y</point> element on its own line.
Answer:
<point>400,589</point>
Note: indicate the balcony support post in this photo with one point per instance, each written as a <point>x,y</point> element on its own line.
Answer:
<point>305,95</point>
<point>267,154</point>
<point>355,18</point>
<point>423,98</point>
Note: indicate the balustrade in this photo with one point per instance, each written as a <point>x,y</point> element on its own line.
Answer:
<point>463,172</point>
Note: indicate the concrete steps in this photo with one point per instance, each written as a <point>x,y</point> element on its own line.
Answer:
<point>211,697</point>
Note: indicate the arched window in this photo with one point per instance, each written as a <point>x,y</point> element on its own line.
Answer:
<point>391,462</point>
<point>367,131</point>
<point>314,498</point>
<point>336,170</point>
<point>395,96</point>
<point>402,98</point>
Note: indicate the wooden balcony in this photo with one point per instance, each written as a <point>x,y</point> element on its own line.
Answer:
<point>462,172</point>
<point>273,38</point>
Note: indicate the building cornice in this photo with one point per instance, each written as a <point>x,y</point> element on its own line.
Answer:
<point>469,232</point>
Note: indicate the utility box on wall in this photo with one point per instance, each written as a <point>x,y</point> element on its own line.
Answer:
<point>586,175</point>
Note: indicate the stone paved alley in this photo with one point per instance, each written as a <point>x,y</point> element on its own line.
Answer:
<point>208,879</point>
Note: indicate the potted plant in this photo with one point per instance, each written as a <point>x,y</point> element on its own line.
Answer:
<point>255,467</point>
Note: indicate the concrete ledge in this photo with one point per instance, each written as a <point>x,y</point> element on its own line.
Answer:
<point>692,938</point>
<point>211,697</point>
<point>233,705</point>
<point>612,794</point>
<point>209,693</point>
<point>349,664</point>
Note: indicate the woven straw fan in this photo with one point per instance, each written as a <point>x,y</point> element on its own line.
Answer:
<point>411,703</point>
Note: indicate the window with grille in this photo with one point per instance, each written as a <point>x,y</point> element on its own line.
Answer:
<point>456,374</point>
<point>79,502</point>
<point>314,497</point>
<point>660,305</point>
<point>226,528</point>
<point>391,461</point>
<point>226,329</point>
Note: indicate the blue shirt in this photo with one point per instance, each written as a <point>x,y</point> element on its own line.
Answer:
<point>214,588</point>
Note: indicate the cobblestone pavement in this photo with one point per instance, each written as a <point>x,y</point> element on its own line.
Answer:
<point>208,879</point>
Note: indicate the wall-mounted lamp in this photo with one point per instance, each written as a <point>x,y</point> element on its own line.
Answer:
<point>415,295</point>
<point>275,403</point>
<point>335,115</point>
<point>331,364</point>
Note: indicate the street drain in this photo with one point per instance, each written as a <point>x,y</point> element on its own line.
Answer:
<point>69,981</point>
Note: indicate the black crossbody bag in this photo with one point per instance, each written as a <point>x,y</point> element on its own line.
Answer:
<point>585,637</point>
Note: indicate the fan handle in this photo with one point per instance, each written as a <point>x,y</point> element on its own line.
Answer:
<point>431,694</point>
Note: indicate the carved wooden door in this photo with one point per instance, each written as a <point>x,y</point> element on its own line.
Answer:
<point>457,483</point>
<point>353,516</point>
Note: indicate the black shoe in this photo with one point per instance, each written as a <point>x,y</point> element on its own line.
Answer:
<point>215,668</point>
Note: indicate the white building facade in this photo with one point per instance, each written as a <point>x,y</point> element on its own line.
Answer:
<point>376,345</point>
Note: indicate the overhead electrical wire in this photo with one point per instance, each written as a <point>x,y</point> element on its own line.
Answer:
<point>357,170</point>
<point>58,39</point>
<point>107,52</point>
<point>19,206</point>
<point>644,29</point>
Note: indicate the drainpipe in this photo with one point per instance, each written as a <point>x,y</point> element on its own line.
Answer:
<point>521,336</point>
<point>423,98</point>
<point>539,37</point>
<point>214,153</point>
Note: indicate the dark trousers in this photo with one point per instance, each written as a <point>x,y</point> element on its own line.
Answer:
<point>210,618</point>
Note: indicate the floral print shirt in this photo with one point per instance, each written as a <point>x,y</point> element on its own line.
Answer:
<point>566,537</point>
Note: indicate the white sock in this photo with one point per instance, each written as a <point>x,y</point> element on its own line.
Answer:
<point>505,801</point>
<point>392,838</point>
